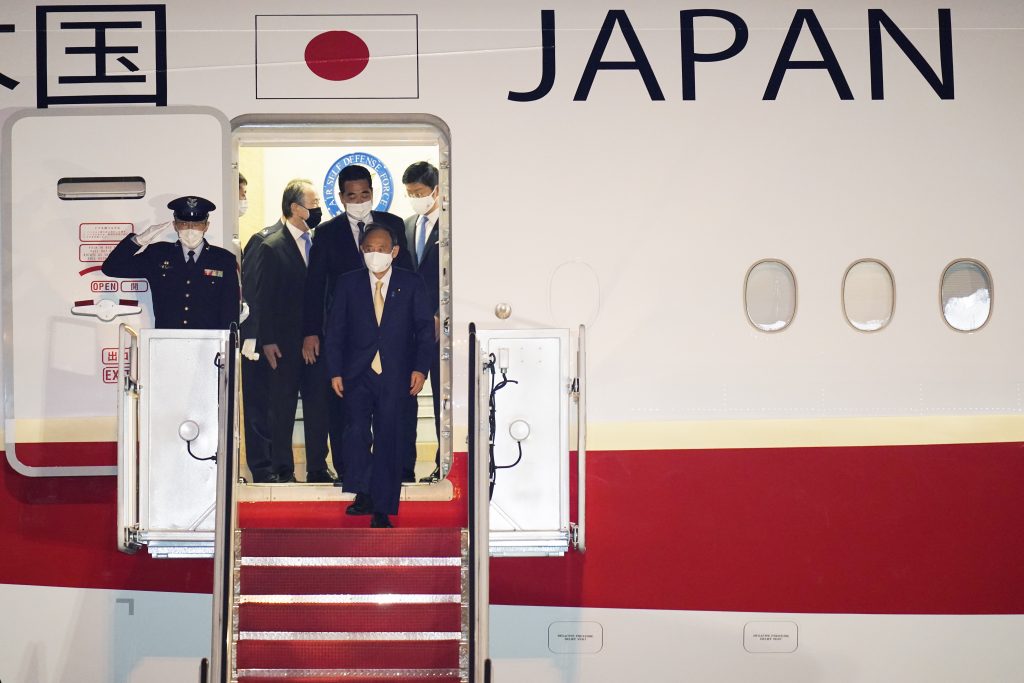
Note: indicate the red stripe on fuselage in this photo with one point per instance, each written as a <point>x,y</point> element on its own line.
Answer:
<point>902,530</point>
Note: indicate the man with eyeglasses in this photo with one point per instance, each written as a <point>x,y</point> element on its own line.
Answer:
<point>194,284</point>
<point>279,288</point>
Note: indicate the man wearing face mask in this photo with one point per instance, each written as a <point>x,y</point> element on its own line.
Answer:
<point>421,233</point>
<point>255,369</point>
<point>279,286</point>
<point>336,251</point>
<point>379,342</point>
<point>193,283</point>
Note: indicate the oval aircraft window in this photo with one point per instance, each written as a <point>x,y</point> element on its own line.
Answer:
<point>869,296</point>
<point>966,295</point>
<point>770,295</point>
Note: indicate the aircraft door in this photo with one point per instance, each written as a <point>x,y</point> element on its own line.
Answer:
<point>75,183</point>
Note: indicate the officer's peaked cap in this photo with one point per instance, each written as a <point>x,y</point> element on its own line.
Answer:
<point>191,208</point>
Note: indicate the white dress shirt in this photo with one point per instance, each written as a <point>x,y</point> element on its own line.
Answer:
<point>427,228</point>
<point>301,243</point>
<point>383,290</point>
<point>353,224</point>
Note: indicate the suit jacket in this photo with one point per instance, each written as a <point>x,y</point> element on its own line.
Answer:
<point>250,278</point>
<point>203,296</point>
<point>405,336</point>
<point>335,252</point>
<point>429,267</point>
<point>280,287</point>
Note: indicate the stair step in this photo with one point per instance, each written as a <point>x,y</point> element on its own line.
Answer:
<point>351,542</point>
<point>382,654</point>
<point>349,580</point>
<point>348,676</point>
<point>333,618</point>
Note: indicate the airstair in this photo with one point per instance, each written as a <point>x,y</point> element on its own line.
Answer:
<point>303,592</point>
<point>350,604</point>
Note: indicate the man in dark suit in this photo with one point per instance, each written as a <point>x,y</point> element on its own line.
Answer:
<point>194,284</point>
<point>335,252</point>
<point>379,340</point>
<point>279,289</point>
<point>255,369</point>
<point>421,233</point>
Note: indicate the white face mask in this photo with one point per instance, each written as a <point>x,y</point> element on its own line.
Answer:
<point>191,238</point>
<point>377,262</point>
<point>422,205</point>
<point>243,206</point>
<point>358,211</point>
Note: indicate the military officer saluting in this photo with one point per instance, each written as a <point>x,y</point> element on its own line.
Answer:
<point>194,284</point>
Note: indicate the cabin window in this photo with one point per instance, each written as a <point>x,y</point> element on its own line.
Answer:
<point>770,295</point>
<point>869,296</point>
<point>966,295</point>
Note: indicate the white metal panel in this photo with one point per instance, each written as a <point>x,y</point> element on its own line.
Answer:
<point>180,381</point>
<point>56,368</point>
<point>530,504</point>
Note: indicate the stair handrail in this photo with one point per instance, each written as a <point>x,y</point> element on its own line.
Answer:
<point>222,653</point>
<point>478,478</point>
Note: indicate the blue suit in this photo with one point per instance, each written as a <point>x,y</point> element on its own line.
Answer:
<point>375,404</point>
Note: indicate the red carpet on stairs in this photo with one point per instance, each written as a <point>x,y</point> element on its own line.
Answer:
<point>350,604</point>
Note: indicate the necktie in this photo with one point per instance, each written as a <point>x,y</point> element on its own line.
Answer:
<point>421,239</point>
<point>361,225</point>
<point>191,258</point>
<point>307,246</point>
<point>378,309</point>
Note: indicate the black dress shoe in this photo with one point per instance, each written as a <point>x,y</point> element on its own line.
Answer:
<point>286,478</point>
<point>320,477</point>
<point>362,505</point>
<point>264,478</point>
<point>380,521</point>
<point>433,476</point>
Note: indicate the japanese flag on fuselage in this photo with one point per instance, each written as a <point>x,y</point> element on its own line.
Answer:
<point>337,56</point>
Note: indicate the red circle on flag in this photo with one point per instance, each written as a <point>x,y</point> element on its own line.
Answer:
<point>337,55</point>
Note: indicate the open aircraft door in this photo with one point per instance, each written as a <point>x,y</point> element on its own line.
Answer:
<point>75,182</point>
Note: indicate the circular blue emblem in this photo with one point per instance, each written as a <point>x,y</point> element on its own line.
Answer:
<point>382,181</point>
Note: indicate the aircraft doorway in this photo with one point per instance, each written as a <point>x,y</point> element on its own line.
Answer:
<point>271,152</point>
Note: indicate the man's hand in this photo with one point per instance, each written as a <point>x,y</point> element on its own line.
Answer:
<point>338,386</point>
<point>310,348</point>
<point>416,382</point>
<point>437,329</point>
<point>272,352</point>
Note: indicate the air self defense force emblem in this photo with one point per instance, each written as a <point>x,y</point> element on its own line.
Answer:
<point>383,184</point>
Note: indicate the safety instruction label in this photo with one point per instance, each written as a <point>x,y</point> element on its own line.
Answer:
<point>575,637</point>
<point>770,636</point>
<point>104,232</point>
<point>94,253</point>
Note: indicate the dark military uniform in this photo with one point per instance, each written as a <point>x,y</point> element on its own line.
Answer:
<point>203,296</point>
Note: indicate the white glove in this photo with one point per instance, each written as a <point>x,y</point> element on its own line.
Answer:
<point>151,234</point>
<point>244,315</point>
<point>249,349</point>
